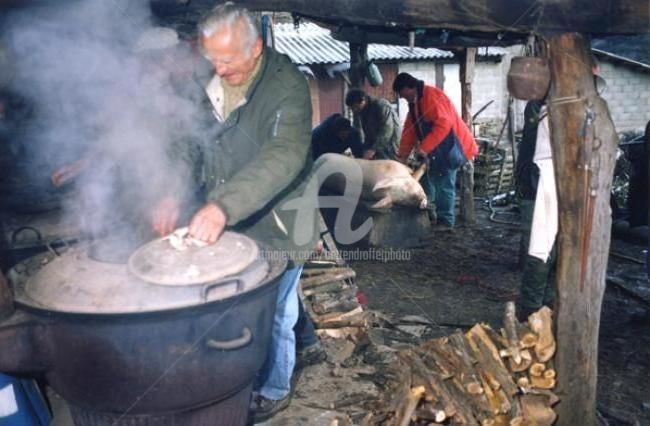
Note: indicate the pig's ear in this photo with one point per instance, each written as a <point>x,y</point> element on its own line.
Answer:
<point>384,203</point>
<point>383,184</point>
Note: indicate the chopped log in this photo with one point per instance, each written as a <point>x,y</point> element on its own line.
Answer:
<point>552,397</point>
<point>542,324</point>
<point>537,411</point>
<point>523,382</point>
<point>428,411</point>
<point>496,337</point>
<point>536,369</point>
<point>512,338</point>
<point>326,288</point>
<point>527,339</point>
<point>542,382</point>
<point>340,333</point>
<point>474,388</point>
<point>488,356</point>
<point>337,316</point>
<point>408,407</point>
<point>334,305</point>
<point>453,351</point>
<point>358,321</point>
<point>549,374</point>
<point>517,421</point>
<point>437,385</point>
<point>327,278</point>
<point>310,272</point>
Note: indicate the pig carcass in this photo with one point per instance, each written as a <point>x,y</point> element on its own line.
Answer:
<point>386,182</point>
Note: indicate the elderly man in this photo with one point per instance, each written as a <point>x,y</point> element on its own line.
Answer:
<point>436,132</point>
<point>379,122</point>
<point>259,160</point>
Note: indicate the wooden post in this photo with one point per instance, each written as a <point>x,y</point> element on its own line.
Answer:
<point>584,156</point>
<point>439,70</point>
<point>467,61</point>
<point>358,60</point>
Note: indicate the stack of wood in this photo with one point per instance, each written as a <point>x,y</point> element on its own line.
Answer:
<point>329,294</point>
<point>481,377</point>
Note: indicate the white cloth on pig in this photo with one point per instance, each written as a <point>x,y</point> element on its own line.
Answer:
<point>545,216</point>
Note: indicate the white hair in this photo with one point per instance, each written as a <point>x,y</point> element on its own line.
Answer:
<point>229,15</point>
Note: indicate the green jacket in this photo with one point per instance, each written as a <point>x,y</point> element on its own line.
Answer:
<point>260,159</point>
<point>381,128</point>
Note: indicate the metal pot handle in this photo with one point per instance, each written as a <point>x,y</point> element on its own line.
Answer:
<point>14,235</point>
<point>208,287</point>
<point>229,345</point>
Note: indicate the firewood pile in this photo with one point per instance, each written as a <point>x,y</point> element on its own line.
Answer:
<point>329,294</point>
<point>481,377</point>
<point>330,297</point>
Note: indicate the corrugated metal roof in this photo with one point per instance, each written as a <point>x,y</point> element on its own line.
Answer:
<point>311,44</point>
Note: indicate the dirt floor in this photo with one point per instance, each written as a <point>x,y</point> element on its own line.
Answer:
<point>460,278</point>
<point>455,280</point>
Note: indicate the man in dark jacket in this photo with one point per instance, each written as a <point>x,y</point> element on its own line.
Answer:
<point>379,122</point>
<point>258,161</point>
<point>336,135</point>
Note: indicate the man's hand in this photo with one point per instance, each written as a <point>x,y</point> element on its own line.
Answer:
<point>368,154</point>
<point>165,216</point>
<point>421,155</point>
<point>208,223</point>
<point>68,172</point>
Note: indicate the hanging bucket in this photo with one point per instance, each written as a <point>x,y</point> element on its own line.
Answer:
<point>529,78</point>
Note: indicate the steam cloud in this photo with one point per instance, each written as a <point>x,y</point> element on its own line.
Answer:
<point>94,96</point>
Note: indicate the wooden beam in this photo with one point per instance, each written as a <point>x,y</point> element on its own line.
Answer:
<point>494,16</point>
<point>584,156</point>
<point>467,65</point>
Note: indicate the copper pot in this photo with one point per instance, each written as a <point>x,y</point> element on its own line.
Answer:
<point>529,78</point>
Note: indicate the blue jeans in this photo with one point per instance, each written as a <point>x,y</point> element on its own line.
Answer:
<point>441,190</point>
<point>275,376</point>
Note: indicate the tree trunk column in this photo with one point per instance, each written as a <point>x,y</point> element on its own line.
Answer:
<point>467,61</point>
<point>583,153</point>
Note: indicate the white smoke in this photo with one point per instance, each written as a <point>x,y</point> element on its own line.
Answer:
<point>96,96</point>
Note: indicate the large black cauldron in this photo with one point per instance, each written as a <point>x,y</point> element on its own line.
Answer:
<point>145,363</point>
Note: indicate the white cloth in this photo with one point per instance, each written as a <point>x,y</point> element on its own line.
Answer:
<point>545,216</point>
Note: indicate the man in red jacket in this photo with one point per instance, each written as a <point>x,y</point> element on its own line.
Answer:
<point>435,131</point>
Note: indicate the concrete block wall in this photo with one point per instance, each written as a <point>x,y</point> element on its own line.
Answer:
<point>627,95</point>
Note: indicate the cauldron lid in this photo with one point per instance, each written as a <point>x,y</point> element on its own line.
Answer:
<point>158,262</point>
<point>77,283</point>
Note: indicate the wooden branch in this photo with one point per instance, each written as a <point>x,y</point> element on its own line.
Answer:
<point>542,324</point>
